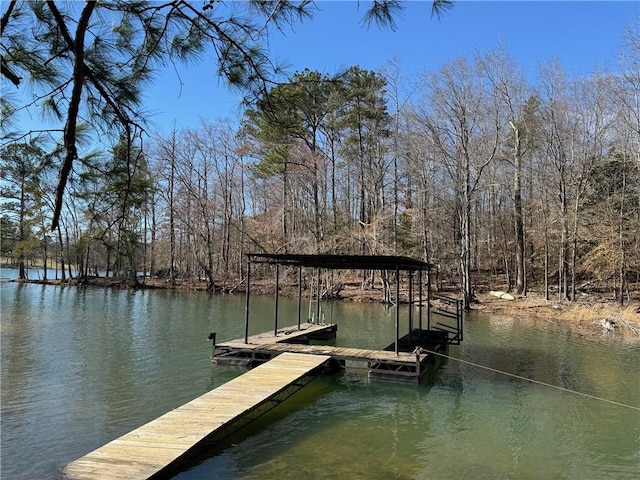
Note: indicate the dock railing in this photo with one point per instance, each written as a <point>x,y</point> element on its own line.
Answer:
<point>450,308</point>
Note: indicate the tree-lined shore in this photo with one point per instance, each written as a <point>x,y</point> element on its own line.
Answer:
<point>473,167</point>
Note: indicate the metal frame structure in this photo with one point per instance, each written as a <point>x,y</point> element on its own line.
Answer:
<point>345,262</point>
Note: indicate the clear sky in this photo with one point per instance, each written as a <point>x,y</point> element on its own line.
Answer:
<point>583,35</point>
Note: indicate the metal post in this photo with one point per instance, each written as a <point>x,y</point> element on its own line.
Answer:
<point>397,310</point>
<point>318,297</point>
<point>275,327</point>
<point>246,307</point>
<point>429,299</point>
<point>410,307</point>
<point>299,295</point>
<point>461,323</point>
<point>420,304</point>
<point>212,338</point>
<point>458,320</point>
<point>459,314</point>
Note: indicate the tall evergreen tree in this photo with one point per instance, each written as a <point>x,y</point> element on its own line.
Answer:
<point>89,61</point>
<point>126,191</point>
<point>20,168</point>
<point>291,118</point>
<point>366,123</point>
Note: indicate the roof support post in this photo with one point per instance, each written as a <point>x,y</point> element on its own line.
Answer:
<point>246,306</point>
<point>420,304</point>
<point>299,295</point>
<point>277,297</point>
<point>429,299</point>
<point>397,310</point>
<point>318,297</point>
<point>410,307</point>
<point>459,319</point>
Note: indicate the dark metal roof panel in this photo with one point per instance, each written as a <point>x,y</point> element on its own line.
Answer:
<point>347,262</point>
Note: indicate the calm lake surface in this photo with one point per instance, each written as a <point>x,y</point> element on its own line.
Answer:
<point>82,366</point>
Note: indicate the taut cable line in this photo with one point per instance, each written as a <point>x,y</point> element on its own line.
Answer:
<point>520,377</point>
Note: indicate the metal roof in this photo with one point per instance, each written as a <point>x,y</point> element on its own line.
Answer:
<point>347,262</point>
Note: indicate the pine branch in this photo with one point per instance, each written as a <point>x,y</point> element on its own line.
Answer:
<point>4,66</point>
<point>6,71</point>
<point>5,17</point>
<point>74,103</point>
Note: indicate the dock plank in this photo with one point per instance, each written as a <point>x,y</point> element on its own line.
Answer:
<point>285,334</point>
<point>148,450</point>
<point>340,353</point>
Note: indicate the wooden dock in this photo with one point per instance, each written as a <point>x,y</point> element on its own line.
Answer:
<point>157,449</point>
<point>307,331</point>
<point>381,363</point>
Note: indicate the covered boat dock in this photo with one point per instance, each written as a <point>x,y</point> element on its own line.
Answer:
<point>403,357</point>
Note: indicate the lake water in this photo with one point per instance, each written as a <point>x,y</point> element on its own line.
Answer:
<point>82,366</point>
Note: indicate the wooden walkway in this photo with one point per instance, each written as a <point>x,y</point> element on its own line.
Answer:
<point>156,449</point>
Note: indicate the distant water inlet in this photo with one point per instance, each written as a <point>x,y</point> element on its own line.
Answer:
<point>82,367</point>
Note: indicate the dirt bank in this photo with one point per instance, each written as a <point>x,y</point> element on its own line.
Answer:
<point>592,314</point>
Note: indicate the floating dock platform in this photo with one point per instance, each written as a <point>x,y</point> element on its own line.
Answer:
<point>405,365</point>
<point>159,448</point>
<point>251,352</point>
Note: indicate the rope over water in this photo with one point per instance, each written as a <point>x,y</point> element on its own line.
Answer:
<point>568,390</point>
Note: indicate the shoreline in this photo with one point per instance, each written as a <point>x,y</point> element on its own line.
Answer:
<point>591,314</point>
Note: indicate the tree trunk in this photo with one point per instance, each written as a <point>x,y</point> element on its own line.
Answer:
<point>172,224</point>
<point>505,255</point>
<point>465,245</point>
<point>154,226</point>
<point>285,200</point>
<point>546,251</point>
<point>517,214</point>
<point>45,259</point>
<point>623,260</point>
<point>62,270</point>
<point>563,262</point>
<point>574,250</point>
<point>22,234</point>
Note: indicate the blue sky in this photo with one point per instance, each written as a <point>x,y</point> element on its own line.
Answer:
<point>583,36</point>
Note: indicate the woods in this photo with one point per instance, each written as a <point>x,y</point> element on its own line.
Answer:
<point>478,169</point>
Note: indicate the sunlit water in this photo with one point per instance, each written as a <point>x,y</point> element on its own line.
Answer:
<point>82,366</point>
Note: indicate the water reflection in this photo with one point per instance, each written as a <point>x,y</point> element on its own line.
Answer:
<point>81,366</point>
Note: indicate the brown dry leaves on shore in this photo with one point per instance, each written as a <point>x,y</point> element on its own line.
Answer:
<point>587,313</point>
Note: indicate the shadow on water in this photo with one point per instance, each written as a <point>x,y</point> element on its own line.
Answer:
<point>305,397</point>
<point>564,366</point>
<point>304,406</point>
<point>485,363</point>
